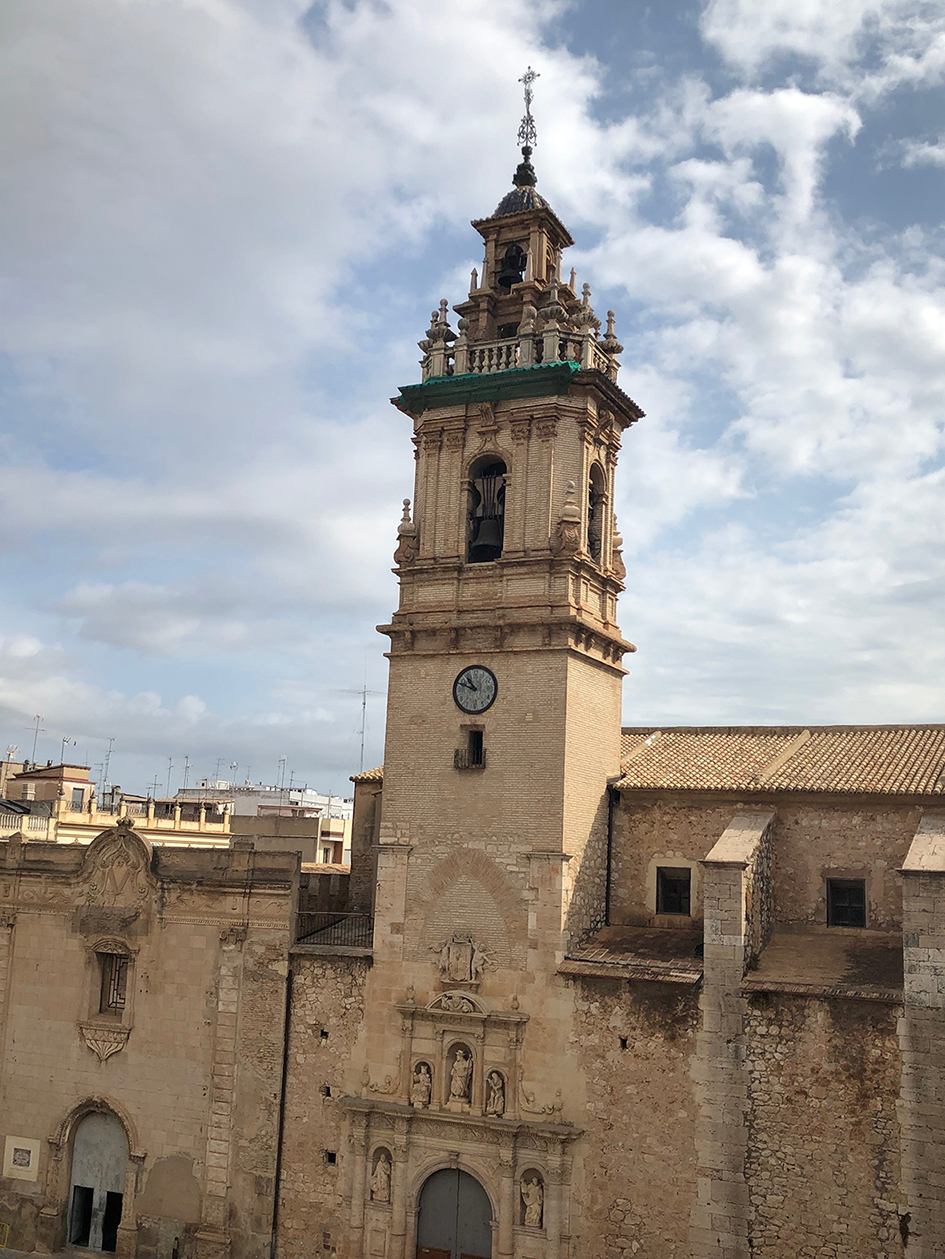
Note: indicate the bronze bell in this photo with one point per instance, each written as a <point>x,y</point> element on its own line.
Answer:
<point>487,544</point>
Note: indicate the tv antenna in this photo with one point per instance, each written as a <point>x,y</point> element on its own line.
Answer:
<point>37,731</point>
<point>364,692</point>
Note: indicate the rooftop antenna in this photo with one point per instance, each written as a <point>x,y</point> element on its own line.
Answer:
<point>170,766</point>
<point>216,772</point>
<point>12,752</point>
<point>364,692</point>
<point>67,742</point>
<point>281,772</point>
<point>186,771</point>
<point>527,134</point>
<point>105,763</point>
<point>37,731</point>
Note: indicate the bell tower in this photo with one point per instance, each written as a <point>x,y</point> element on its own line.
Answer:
<point>510,562</point>
<point>503,728</point>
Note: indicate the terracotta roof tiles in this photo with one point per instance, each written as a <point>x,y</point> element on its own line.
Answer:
<point>886,760</point>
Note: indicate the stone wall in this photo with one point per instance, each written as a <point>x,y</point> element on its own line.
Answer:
<point>191,1066</point>
<point>635,1168</point>
<point>822,1164</point>
<point>327,1020</point>
<point>810,841</point>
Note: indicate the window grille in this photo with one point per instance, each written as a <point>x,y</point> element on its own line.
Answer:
<point>672,890</point>
<point>114,983</point>
<point>846,902</point>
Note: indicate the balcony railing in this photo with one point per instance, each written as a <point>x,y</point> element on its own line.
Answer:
<point>464,758</point>
<point>486,357</point>
<point>26,822</point>
<point>350,931</point>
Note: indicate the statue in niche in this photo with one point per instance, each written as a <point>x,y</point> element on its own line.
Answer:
<point>533,1198</point>
<point>380,1181</point>
<point>462,959</point>
<point>461,1076</point>
<point>422,1086</point>
<point>495,1099</point>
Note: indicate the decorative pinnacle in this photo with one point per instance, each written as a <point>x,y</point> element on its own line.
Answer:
<point>525,176</point>
<point>527,134</point>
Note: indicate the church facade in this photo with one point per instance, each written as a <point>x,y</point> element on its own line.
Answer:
<point>588,993</point>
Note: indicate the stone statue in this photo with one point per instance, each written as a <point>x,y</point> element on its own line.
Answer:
<point>495,1100</point>
<point>533,1199</point>
<point>422,1086</point>
<point>460,1076</point>
<point>380,1181</point>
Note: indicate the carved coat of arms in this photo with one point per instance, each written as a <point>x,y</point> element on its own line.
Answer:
<point>461,959</point>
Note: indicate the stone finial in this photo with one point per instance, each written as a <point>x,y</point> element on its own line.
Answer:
<point>529,316</point>
<point>408,542</point>
<point>566,539</point>
<point>570,511</point>
<point>474,280</point>
<point>573,280</point>
<point>552,311</point>
<point>610,344</point>
<point>584,316</point>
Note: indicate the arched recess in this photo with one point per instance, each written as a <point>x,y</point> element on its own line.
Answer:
<point>485,508</point>
<point>99,1170</point>
<point>596,511</point>
<point>58,1180</point>
<point>454,1217</point>
<point>468,875</point>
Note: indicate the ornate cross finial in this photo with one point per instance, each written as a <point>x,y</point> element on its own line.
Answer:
<point>527,134</point>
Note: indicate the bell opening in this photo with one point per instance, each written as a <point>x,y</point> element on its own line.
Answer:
<point>486,518</point>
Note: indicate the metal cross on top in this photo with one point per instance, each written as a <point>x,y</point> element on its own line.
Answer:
<point>527,134</point>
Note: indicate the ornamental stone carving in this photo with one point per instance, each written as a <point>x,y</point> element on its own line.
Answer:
<point>408,540</point>
<point>462,959</point>
<point>533,1201</point>
<point>104,1039</point>
<point>380,1180</point>
<point>495,1094</point>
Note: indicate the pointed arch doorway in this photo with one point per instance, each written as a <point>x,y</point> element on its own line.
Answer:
<point>454,1217</point>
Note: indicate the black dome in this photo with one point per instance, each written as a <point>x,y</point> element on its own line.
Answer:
<point>520,199</point>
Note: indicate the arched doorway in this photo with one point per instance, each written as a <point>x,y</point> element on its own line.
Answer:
<point>99,1162</point>
<point>454,1219</point>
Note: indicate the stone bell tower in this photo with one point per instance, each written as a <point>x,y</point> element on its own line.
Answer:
<point>503,727</point>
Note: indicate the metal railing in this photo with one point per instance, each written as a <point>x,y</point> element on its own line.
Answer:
<point>351,931</point>
<point>465,758</point>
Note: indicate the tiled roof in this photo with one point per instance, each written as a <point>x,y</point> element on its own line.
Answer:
<point>882,760</point>
<point>863,760</point>
<point>375,775</point>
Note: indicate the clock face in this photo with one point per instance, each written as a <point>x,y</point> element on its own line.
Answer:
<point>475,689</point>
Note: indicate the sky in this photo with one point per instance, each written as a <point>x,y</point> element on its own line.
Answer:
<point>223,225</point>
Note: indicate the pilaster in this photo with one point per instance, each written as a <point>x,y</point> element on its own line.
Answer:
<point>922,1039</point>
<point>736,889</point>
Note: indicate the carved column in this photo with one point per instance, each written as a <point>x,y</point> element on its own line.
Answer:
<point>507,1202</point>
<point>358,1185</point>
<point>212,1240</point>
<point>552,1207</point>
<point>127,1242</point>
<point>398,1197</point>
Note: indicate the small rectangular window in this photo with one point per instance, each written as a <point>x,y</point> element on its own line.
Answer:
<point>77,797</point>
<point>672,890</point>
<point>475,747</point>
<point>846,902</point>
<point>114,983</point>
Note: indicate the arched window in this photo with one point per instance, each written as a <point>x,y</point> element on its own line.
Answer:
<point>512,267</point>
<point>485,525</point>
<point>596,501</point>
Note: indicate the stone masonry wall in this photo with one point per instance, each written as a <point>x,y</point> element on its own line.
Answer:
<point>327,1013</point>
<point>637,1181</point>
<point>822,1163</point>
